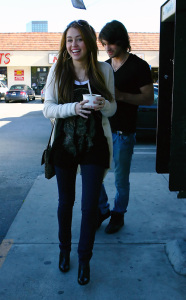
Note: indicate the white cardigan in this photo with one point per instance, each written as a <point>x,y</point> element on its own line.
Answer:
<point>54,110</point>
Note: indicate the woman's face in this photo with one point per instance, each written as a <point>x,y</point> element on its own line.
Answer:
<point>75,45</point>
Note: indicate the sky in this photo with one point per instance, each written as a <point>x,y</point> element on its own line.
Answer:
<point>136,15</point>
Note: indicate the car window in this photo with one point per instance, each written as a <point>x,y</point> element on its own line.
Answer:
<point>2,84</point>
<point>17,87</point>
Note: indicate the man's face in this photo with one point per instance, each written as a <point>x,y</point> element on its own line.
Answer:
<point>112,49</point>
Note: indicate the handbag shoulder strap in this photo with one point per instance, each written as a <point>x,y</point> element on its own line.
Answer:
<point>51,134</point>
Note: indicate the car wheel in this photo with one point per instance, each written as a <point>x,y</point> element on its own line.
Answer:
<point>34,98</point>
<point>6,101</point>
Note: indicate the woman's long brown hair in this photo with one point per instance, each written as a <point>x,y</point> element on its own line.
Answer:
<point>64,70</point>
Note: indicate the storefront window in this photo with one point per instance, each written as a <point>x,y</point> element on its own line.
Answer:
<point>3,75</point>
<point>39,77</point>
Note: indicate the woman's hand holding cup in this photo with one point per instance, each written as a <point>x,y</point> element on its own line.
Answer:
<point>99,103</point>
<point>81,111</point>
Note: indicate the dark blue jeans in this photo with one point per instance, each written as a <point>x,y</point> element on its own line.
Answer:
<point>92,178</point>
<point>123,146</point>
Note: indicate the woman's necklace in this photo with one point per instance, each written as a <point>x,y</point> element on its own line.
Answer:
<point>120,65</point>
<point>82,78</point>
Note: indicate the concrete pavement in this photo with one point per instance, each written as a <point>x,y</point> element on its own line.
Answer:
<point>129,265</point>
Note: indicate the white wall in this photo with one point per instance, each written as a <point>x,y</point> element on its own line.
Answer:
<point>27,75</point>
<point>41,58</point>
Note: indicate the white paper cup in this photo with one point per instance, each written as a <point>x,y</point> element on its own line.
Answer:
<point>90,99</point>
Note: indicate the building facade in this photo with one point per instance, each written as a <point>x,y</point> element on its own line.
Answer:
<point>27,57</point>
<point>37,26</point>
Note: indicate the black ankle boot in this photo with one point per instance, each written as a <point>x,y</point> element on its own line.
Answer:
<point>84,274</point>
<point>64,262</point>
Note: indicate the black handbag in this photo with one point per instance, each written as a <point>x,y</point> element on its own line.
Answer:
<point>49,168</point>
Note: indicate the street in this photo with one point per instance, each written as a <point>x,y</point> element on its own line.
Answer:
<point>24,134</point>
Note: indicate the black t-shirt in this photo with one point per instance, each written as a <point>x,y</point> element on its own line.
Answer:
<point>129,78</point>
<point>66,154</point>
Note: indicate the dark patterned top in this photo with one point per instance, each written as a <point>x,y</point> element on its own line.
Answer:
<point>79,140</point>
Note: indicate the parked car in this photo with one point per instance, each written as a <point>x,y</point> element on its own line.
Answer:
<point>20,92</point>
<point>3,89</point>
<point>147,118</point>
<point>43,94</point>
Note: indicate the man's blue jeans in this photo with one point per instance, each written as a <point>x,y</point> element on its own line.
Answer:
<point>123,146</point>
<point>92,178</point>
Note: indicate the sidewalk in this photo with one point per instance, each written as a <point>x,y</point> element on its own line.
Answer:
<point>129,265</point>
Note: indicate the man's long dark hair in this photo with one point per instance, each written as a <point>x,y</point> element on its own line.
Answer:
<point>115,32</point>
<point>64,70</point>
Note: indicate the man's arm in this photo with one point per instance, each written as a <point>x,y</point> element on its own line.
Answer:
<point>145,98</point>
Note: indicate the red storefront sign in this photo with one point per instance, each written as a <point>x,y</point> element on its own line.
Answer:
<point>18,75</point>
<point>18,72</point>
<point>4,58</point>
<point>18,78</point>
